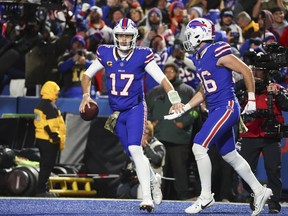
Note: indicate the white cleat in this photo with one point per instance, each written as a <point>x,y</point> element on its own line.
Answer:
<point>147,204</point>
<point>156,189</point>
<point>260,200</point>
<point>200,204</point>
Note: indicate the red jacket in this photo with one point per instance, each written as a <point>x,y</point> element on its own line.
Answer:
<point>255,126</point>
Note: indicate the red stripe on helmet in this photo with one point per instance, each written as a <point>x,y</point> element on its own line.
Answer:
<point>124,23</point>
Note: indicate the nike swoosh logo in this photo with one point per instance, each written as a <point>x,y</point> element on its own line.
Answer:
<point>203,207</point>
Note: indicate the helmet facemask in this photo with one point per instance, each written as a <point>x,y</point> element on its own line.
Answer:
<point>124,44</point>
<point>125,27</point>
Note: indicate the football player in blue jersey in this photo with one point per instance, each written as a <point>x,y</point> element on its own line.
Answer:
<point>214,65</point>
<point>125,65</point>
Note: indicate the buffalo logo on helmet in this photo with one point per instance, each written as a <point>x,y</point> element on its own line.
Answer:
<point>196,23</point>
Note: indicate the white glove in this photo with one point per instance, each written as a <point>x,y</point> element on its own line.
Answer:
<point>251,104</point>
<point>249,108</point>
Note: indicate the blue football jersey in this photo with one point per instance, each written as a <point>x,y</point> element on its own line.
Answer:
<point>124,77</point>
<point>217,81</point>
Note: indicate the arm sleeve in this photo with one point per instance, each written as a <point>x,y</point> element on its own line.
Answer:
<point>94,68</point>
<point>154,70</point>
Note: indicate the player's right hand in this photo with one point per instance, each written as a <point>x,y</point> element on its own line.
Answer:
<point>85,101</point>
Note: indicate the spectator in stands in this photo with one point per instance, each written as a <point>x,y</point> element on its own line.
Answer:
<point>262,136</point>
<point>162,5</point>
<point>98,32</point>
<point>267,5</point>
<point>195,12</point>
<point>247,25</point>
<point>175,135</point>
<point>115,14</point>
<point>199,5</point>
<point>265,21</point>
<point>176,17</point>
<point>185,65</point>
<point>154,26</point>
<point>226,20</point>
<point>50,133</point>
<point>128,5</point>
<point>72,65</point>
<point>106,10</point>
<point>68,29</point>
<point>41,61</point>
<point>136,14</point>
<point>154,150</point>
<point>279,19</point>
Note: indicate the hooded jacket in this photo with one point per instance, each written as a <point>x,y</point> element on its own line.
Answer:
<point>49,123</point>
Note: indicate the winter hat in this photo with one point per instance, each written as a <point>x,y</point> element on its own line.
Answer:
<point>178,4</point>
<point>155,10</point>
<point>79,38</point>
<point>96,9</point>
<point>269,36</point>
<point>198,9</point>
<point>228,13</point>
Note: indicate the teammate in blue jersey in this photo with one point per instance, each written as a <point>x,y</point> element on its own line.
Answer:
<point>125,65</point>
<point>214,65</point>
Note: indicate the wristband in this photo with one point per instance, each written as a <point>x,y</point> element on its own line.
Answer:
<point>251,96</point>
<point>174,97</point>
<point>85,94</point>
<point>187,107</point>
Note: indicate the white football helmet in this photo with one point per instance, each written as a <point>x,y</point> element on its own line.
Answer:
<point>198,30</point>
<point>125,26</point>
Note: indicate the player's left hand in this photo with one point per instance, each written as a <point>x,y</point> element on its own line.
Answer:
<point>250,107</point>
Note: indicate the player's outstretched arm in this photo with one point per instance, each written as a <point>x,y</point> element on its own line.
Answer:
<point>173,96</point>
<point>237,65</point>
<point>196,100</point>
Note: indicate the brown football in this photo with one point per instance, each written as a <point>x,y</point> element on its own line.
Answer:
<point>90,113</point>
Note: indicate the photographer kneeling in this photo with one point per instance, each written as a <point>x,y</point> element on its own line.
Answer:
<point>265,130</point>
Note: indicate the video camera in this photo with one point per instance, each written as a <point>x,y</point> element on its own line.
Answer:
<point>271,126</point>
<point>30,16</point>
<point>30,12</point>
<point>276,56</point>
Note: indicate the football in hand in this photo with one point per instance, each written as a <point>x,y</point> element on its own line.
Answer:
<point>90,113</point>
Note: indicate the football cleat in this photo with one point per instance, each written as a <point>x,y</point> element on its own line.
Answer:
<point>147,205</point>
<point>200,204</point>
<point>156,189</point>
<point>260,200</point>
